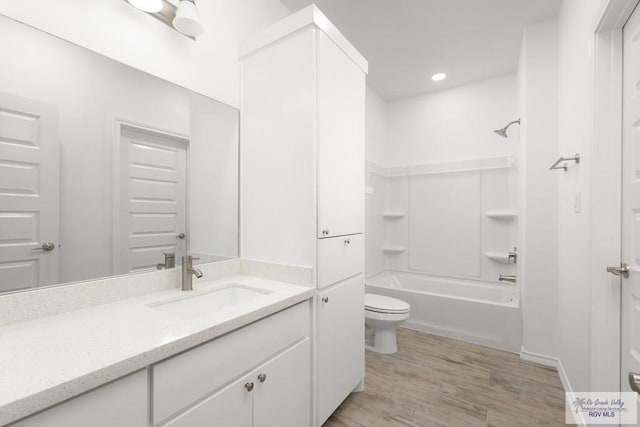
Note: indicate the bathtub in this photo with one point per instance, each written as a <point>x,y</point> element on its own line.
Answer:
<point>478,312</point>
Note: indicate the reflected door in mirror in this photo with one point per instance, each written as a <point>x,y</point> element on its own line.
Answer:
<point>153,198</point>
<point>29,170</point>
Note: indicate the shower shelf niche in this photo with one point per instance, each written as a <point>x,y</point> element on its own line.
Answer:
<point>502,215</point>
<point>393,249</point>
<point>394,215</point>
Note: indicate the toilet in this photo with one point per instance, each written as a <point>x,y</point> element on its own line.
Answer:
<point>382,316</point>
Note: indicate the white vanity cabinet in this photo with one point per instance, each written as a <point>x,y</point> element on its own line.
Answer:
<point>302,136</point>
<point>259,375</point>
<point>340,349</point>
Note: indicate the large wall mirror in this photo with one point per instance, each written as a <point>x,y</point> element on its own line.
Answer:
<point>104,168</point>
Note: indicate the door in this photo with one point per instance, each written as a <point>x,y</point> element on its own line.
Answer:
<point>282,395</point>
<point>340,142</point>
<point>153,199</point>
<point>229,407</point>
<point>340,332</point>
<point>630,291</point>
<point>29,186</point>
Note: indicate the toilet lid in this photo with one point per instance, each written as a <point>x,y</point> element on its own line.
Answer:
<point>382,304</point>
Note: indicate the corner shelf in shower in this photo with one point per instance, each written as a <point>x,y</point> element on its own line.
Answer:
<point>502,215</point>
<point>393,249</point>
<point>393,215</point>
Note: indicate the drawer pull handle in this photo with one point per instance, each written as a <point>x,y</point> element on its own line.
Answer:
<point>347,242</point>
<point>325,299</point>
<point>262,377</point>
<point>249,386</point>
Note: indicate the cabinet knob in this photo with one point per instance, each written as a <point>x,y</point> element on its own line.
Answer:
<point>325,299</point>
<point>249,386</point>
<point>347,241</point>
<point>325,232</point>
<point>262,377</point>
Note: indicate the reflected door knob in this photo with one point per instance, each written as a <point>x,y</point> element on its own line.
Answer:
<point>181,236</point>
<point>46,247</point>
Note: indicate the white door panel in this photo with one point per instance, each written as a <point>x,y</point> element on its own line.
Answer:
<point>153,199</point>
<point>630,313</point>
<point>29,181</point>
<point>340,142</point>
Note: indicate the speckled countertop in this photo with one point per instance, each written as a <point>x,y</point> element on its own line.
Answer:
<point>50,359</point>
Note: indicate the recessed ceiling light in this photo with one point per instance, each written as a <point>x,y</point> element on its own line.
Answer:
<point>438,76</point>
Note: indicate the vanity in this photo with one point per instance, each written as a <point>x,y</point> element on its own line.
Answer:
<point>157,359</point>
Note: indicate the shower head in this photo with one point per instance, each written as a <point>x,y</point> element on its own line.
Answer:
<point>503,132</point>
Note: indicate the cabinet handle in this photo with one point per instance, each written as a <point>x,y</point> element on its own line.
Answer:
<point>325,299</point>
<point>262,377</point>
<point>249,386</point>
<point>325,232</point>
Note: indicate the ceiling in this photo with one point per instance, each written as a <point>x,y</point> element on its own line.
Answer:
<point>407,41</point>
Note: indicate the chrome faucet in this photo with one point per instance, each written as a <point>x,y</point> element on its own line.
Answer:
<point>188,271</point>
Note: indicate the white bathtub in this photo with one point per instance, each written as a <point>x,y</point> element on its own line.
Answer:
<point>478,312</point>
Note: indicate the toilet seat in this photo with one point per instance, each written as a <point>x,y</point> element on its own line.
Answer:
<point>382,304</point>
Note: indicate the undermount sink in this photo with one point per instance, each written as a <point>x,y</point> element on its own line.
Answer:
<point>198,305</point>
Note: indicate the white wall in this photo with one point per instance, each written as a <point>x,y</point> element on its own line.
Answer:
<point>375,154</point>
<point>376,128</point>
<point>453,124</point>
<point>538,269</point>
<point>116,29</point>
<point>575,102</point>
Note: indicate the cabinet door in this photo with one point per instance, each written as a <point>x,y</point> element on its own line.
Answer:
<point>230,407</point>
<point>284,398</point>
<point>340,332</point>
<point>121,403</point>
<point>341,122</point>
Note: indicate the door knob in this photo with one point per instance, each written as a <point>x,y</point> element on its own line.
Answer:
<point>47,247</point>
<point>249,386</point>
<point>634,381</point>
<point>623,270</point>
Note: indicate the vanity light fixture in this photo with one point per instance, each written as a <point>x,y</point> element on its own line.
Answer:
<point>187,19</point>
<point>181,15</point>
<point>149,6</point>
<point>438,76</point>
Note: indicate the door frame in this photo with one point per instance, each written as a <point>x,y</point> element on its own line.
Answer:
<point>117,123</point>
<point>606,193</point>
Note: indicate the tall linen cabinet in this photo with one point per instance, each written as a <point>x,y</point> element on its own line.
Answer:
<point>302,161</point>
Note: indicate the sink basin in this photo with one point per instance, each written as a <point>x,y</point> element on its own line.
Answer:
<point>206,303</point>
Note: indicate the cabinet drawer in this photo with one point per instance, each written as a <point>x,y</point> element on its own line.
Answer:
<point>184,379</point>
<point>340,258</point>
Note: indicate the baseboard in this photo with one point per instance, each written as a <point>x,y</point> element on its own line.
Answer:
<point>555,363</point>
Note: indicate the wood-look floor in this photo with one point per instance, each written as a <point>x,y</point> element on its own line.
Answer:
<point>437,381</point>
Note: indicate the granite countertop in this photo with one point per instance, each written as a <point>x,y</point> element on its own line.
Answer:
<point>50,359</point>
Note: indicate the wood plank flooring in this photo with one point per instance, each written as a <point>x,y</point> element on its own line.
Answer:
<point>437,381</point>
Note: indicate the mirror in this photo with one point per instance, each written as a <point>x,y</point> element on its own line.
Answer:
<point>104,168</point>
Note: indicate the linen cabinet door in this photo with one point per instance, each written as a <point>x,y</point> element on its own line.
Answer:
<point>283,389</point>
<point>340,333</point>
<point>229,407</point>
<point>340,127</point>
